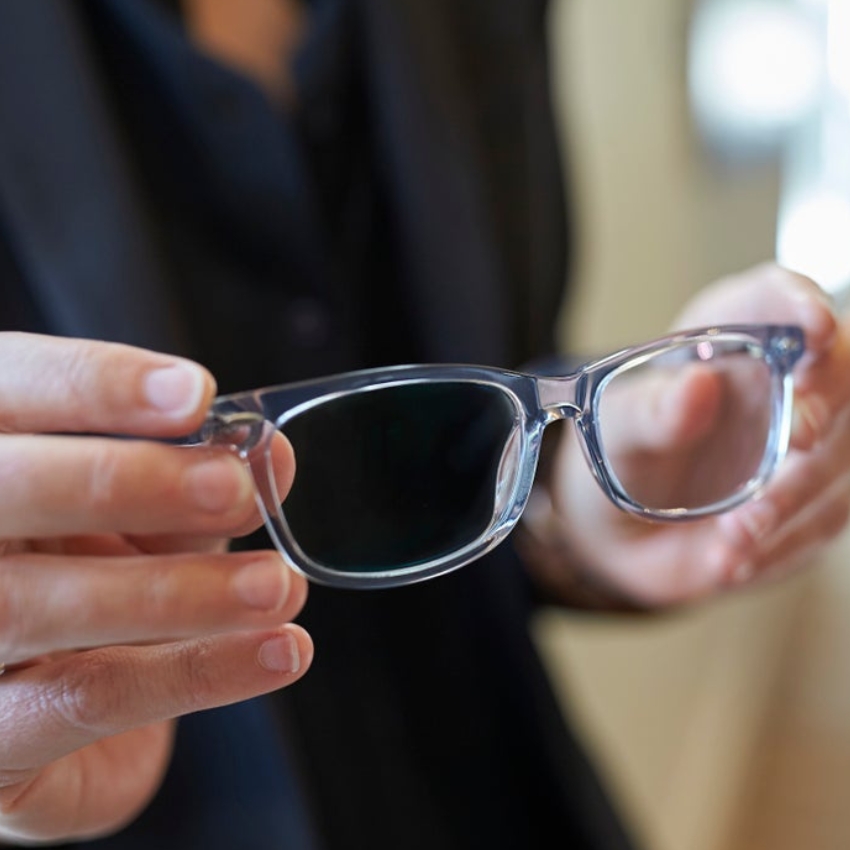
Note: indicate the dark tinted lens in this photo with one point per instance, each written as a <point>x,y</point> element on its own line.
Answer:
<point>392,477</point>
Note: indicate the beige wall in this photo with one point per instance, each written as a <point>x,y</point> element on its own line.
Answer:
<point>658,219</point>
<point>676,709</point>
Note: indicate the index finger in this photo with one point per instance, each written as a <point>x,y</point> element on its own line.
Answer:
<point>766,294</point>
<point>54,384</point>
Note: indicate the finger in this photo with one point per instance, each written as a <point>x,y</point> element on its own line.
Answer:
<point>802,539</point>
<point>803,480</point>
<point>766,293</point>
<point>50,603</point>
<point>51,486</point>
<point>822,394</point>
<point>769,293</point>
<point>55,384</point>
<point>281,464</point>
<point>52,709</point>
<point>121,545</point>
<point>89,793</point>
<point>173,544</point>
<point>660,411</point>
<point>663,444</point>
<point>795,543</point>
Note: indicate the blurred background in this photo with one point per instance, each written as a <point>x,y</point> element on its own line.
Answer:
<point>704,136</point>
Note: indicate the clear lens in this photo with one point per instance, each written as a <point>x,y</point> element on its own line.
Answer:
<point>689,428</point>
<point>399,475</point>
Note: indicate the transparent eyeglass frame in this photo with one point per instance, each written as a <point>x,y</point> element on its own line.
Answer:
<point>245,422</point>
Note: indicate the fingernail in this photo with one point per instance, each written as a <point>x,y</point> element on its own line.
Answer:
<point>176,390</point>
<point>218,485</point>
<point>280,654</point>
<point>262,584</point>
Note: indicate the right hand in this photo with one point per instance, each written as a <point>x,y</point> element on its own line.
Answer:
<point>803,507</point>
<point>119,607</point>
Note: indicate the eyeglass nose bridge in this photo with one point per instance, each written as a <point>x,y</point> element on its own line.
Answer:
<point>560,397</point>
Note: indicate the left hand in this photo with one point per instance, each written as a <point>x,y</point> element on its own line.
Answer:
<point>804,505</point>
<point>119,608</point>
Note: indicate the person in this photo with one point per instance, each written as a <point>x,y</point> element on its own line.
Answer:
<point>174,193</point>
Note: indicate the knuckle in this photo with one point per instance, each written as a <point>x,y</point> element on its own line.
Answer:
<point>155,598</point>
<point>100,486</point>
<point>197,681</point>
<point>89,697</point>
<point>163,596</point>
<point>79,366</point>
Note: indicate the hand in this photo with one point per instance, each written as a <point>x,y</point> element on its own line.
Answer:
<point>804,505</point>
<point>119,607</point>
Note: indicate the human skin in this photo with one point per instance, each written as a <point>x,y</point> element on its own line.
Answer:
<point>804,506</point>
<point>120,608</point>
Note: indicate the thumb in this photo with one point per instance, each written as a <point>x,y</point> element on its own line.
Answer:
<point>659,410</point>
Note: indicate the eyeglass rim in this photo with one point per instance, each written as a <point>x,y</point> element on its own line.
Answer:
<point>527,426</point>
<point>776,446</point>
<point>598,366</point>
<point>782,344</point>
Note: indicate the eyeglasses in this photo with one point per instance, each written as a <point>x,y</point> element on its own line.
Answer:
<point>408,472</point>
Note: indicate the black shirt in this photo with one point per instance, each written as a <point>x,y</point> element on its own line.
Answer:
<point>260,210</point>
<point>294,244</point>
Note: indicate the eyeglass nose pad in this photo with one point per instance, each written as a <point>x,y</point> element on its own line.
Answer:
<point>506,474</point>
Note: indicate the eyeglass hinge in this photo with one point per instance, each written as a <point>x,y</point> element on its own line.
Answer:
<point>241,430</point>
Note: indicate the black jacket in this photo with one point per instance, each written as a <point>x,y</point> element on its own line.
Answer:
<point>427,720</point>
